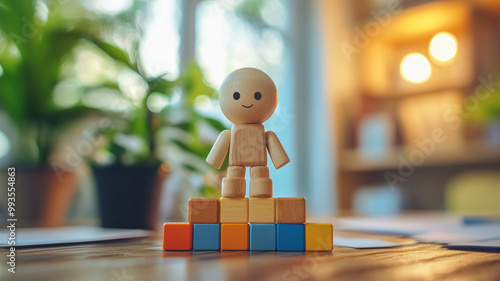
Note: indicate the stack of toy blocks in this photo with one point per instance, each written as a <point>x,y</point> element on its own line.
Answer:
<point>248,97</point>
<point>257,224</point>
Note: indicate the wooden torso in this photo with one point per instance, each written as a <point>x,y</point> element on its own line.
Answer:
<point>248,145</point>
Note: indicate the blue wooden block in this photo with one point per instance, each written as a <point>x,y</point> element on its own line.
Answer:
<point>206,236</point>
<point>262,237</point>
<point>290,237</point>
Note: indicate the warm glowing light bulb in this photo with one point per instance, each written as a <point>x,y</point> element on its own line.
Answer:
<point>415,68</point>
<point>443,46</point>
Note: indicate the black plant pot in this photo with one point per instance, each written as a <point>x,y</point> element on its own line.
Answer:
<point>128,195</point>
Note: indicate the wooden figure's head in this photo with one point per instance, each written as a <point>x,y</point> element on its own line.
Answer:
<point>248,96</point>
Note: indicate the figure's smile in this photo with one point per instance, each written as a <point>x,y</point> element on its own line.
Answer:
<point>247,106</point>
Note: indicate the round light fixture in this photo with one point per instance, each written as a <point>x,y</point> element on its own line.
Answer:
<point>415,68</point>
<point>443,46</point>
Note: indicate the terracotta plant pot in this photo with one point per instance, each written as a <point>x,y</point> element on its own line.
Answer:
<point>42,199</point>
<point>128,195</point>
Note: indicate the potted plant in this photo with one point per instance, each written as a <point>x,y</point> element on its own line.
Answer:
<point>32,54</point>
<point>158,127</point>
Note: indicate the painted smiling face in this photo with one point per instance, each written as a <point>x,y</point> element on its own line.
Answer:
<point>248,96</point>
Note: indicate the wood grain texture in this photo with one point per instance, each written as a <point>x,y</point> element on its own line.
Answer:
<point>143,259</point>
<point>276,151</point>
<point>203,210</point>
<point>233,187</point>
<point>233,210</point>
<point>261,188</point>
<point>248,145</point>
<point>259,172</point>
<point>261,210</point>
<point>290,210</point>
<point>236,172</point>
<point>219,150</point>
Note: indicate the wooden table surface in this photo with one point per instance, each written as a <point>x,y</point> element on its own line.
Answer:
<point>143,259</point>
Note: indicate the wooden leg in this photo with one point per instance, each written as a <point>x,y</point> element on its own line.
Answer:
<point>234,185</point>
<point>260,183</point>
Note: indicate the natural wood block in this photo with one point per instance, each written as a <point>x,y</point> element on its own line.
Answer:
<point>177,236</point>
<point>248,145</point>
<point>261,210</point>
<point>203,210</point>
<point>290,210</point>
<point>233,210</point>
<point>234,236</point>
<point>319,236</point>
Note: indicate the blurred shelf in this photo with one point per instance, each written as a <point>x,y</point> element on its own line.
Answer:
<point>352,160</point>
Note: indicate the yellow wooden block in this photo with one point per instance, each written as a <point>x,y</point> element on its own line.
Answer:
<point>319,236</point>
<point>261,210</point>
<point>233,210</point>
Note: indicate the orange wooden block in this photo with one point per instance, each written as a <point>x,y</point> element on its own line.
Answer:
<point>202,210</point>
<point>234,236</point>
<point>290,210</point>
<point>177,236</point>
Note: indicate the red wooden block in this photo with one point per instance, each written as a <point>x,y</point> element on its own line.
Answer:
<point>177,236</point>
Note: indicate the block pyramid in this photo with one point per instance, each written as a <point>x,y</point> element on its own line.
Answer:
<point>256,224</point>
<point>248,97</point>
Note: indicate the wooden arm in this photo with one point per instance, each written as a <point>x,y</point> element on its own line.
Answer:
<point>219,150</point>
<point>276,150</point>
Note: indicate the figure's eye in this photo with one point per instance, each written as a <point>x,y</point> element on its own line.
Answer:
<point>236,96</point>
<point>257,95</point>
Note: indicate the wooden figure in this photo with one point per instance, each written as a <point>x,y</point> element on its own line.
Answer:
<point>262,237</point>
<point>319,236</point>
<point>177,236</point>
<point>234,210</point>
<point>247,97</point>
<point>290,210</point>
<point>206,236</point>
<point>202,210</point>
<point>261,210</point>
<point>234,236</point>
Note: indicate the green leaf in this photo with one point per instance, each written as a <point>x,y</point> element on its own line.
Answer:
<point>161,85</point>
<point>193,84</point>
<point>112,51</point>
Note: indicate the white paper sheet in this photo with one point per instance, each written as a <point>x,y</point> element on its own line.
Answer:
<point>70,234</point>
<point>462,234</point>
<point>362,243</point>
<point>405,225</point>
